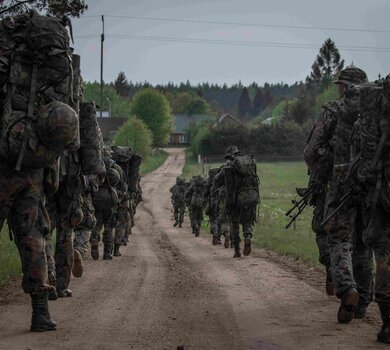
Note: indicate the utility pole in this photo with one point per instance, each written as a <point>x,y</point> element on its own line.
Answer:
<point>101,69</point>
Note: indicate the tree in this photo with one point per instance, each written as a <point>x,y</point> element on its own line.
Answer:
<point>244,104</point>
<point>153,108</point>
<point>134,133</point>
<point>72,8</point>
<point>121,85</point>
<point>118,106</point>
<point>258,103</point>
<point>188,103</point>
<point>327,64</point>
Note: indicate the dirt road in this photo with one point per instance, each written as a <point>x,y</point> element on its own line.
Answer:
<point>170,289</point>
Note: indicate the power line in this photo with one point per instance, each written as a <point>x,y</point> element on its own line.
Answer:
<point>266,25</point>
<point>234,42</point>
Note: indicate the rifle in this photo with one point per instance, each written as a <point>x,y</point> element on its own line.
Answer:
<point>343,201</point>
<point>301,204</point>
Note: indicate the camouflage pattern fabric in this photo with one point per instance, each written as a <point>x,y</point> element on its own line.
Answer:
<point>223,219</point>
<point>20,193</point>
<point>104,221</point>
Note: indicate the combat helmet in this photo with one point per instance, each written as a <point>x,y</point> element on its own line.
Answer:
<point>112,177</point>
<point>351,75</point>
<point>231,152</point>
<point>57,125</point>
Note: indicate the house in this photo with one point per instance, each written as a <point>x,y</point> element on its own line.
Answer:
<point>181,125</point>
<point>227,119</point>
<point>109,126</point>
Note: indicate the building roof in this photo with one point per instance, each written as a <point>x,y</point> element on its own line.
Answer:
<point>227,118</point>
<point>109,126</point>
<point>183,121</point>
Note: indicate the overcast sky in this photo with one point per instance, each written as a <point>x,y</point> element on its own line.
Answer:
<point>168,42</point>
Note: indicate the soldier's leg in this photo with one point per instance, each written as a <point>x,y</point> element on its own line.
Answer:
<point>51,265</point>
<point>247,229</point>
<point>235,234</point>
<point>108,234</point>
<point>377,236</point>
<point>322,241</point>
<point>362,260</point>
<point>182,210</point>
<point>95,234</point>
<point>214,231</point>
<point>176,209</point>
<point>120,231</point>
<point>199,219</point>
<point>30,242</point>
<point>64,259</point>
<point>340,231</point>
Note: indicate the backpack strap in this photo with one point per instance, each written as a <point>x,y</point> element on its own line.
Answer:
<point>30,114</point>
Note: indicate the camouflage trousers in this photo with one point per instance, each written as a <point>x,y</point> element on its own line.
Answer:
<point>20,193</point>
<point>351,259</point>
<point>81,239</point>
<point>59,208</point>
<point>377,236</point>
<point>322,238</point>
<point>104,219</point>
<point>245,216</point>
<point>196,217</point>
<point>223,225</point>
<point>178,212</point>
<point>123,220</point>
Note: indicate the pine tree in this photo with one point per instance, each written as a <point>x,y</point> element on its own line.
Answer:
<point>258,103</point>
<point>121,85</point>
<point>244,104</point>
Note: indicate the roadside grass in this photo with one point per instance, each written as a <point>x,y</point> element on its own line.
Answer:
<point>153,162</point>
<point>277,188</point>
<point>10,265</point>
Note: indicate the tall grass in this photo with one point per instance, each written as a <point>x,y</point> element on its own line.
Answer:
<point>10,265</point>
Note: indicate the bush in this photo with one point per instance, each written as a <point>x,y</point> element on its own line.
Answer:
<point>134,133</point>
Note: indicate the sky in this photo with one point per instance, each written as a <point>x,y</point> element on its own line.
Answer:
<point>227,41</point>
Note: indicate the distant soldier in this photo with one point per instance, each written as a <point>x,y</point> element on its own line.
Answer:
<point>194,200</point>
<point>223,219</point>
<point>211,206</point>
<point>240,178</point>
<point>178,202</point>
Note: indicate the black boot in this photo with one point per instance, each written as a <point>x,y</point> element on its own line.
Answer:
<point>237,253</point>
<point>384,334</point>
<point>116,250</point>
<point>247,247</point>
<point>95,249</point>
<point>360,310</point>
<point>107,253</point>
<point>347,305</point>
<point>329,283</point>
<point>41,321</point>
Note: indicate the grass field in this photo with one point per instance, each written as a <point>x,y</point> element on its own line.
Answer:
<point>277,188</point>
<point>9,257</point>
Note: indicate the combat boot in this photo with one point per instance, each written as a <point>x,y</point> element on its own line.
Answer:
<point>107,253</point>
<point>237,253</point>
<point>384,334</point>
<point>95,249</point>
<point>180,224</point>
<point>116,250</point>
<point>175,224</point>
<point>329,283</point>
<point>247,247</point>
<point>64,293</point>
<point>41,320</point>
<point>215,240</point>
<point>227,242</point>
<point>360,310</point>
<point>347,305</point>
<point>77,269</point>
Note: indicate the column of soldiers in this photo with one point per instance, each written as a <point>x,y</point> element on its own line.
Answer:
<point>51,162</point>
<point>229,197</point>
<point>348,159</point>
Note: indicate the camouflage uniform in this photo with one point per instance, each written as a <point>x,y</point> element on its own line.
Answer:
<point>178,202</point>
<point>352,272</point>
<point>242,196</point>
<point>211,206</point>
<point>194,200</point>
<point>371,147</point>
<point>223,219</point>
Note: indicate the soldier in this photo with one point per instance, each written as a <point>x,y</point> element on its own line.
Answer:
<point>352,274</point>
<point>177,199</point>
<point>83,230</point>
<point>105,201</point>
<point>194,200</point>
<point>240,178</point>
<point>371,179</point>
<point>211,206</point>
